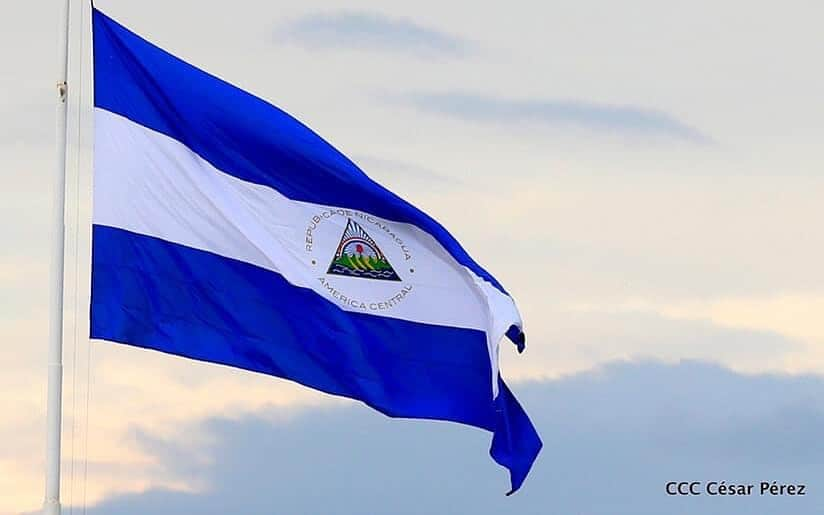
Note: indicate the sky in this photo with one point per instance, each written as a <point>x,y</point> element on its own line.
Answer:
<point>644,177</point>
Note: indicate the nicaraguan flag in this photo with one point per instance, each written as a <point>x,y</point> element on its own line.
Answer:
<point>226,231</point>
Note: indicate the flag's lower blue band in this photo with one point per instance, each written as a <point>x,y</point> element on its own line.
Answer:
<point>159,295</point>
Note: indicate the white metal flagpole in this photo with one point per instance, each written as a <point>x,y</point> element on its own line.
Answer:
<point>51,504</point>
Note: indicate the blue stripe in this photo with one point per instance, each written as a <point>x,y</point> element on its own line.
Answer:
<point>158,295</point>
<point>239,133</point>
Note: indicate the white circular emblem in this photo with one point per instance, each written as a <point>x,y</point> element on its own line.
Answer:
<point>362,261</point>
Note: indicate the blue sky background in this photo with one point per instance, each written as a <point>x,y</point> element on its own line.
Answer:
<point>645,178</point>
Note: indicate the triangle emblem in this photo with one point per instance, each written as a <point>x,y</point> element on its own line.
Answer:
<point>358,255</point>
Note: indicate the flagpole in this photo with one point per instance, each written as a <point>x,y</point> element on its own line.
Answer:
<point>51,504</point>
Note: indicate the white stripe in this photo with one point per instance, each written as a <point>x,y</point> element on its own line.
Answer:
<point>148,183</point>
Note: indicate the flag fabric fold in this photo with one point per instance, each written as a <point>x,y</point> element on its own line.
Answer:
<point>224,230</point>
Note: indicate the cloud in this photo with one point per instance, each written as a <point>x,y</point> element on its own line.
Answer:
<point>604,118</point>
<point>571,340</point>
<point>783,329</point>
<point>403,176</point>
<point>613,438</point>
<point>372,31</point>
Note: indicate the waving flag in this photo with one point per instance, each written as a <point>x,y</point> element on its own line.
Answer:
<point>226,231</point>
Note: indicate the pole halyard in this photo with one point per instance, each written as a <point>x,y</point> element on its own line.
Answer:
<point>51,504</point>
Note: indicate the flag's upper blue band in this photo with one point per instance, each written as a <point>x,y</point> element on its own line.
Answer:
<point>191,106</point>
